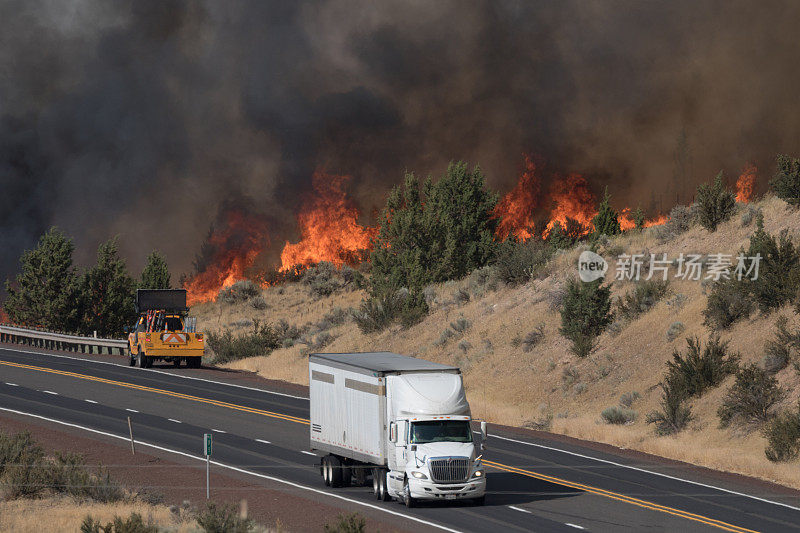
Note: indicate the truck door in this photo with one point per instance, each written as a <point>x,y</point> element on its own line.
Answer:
<point>400,455</point>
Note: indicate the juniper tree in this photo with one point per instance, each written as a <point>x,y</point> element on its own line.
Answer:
<point>606,221</point>
<point>715,203</point>
<point>156,272</point>
<point>786,183</point>
<point>44,293</point>
<point>107,292</point>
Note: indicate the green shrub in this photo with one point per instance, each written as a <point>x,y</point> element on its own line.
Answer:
<point>681,218</point>
<point>627,399</point>
<point>461,325</point>
<point>751,398</point>
<point>730,300</point>
<point>223,519</point>
<point>517,262</point>
<point>322,279</point>
<point>241,291</point>
<point>786,183</point>
<point>533,338</point>
<point>675,329</point>
<point>779,270</point>
<point>258,303</point>
<point>645,295</point>
<point>783,436</point>
<point>461,296</point>
<point>379,312</point>
<point>674,413</point>
<point>133,524</point>
<point>750,215</point>
<point>260,341</point>
<point>566,236</point>
<point>715,203</point>
<point>347,523</point>
<point>586,312</point>
<point>702,367</point>
<point>618,415</point>
<point>780,350</point>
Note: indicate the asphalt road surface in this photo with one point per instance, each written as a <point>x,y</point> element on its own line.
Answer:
<point>534,484</point>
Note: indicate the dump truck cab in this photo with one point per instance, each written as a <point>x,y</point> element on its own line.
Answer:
<point>163,331</point>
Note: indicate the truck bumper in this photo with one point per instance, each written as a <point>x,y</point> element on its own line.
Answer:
<point>173,352</point>
<point>425,489</point>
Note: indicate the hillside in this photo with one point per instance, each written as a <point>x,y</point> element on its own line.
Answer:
<point>547,386</point>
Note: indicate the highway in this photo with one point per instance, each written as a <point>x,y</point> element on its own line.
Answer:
<point>534,484</point>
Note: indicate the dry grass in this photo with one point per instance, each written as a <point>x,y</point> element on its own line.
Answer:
<point>65,514</point>
<point>508,386</point>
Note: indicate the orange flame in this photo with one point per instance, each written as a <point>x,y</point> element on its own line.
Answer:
<point>329,228</point>
<point>573,199</point>
<point>515,209</point>
<point>744,185</point>
<point>233,248</point>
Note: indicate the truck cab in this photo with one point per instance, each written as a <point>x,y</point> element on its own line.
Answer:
<point>163,331</point>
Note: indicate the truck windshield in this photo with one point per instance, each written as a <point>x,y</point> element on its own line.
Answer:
<point>440,431</point>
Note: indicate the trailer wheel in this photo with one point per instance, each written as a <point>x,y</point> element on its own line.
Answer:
<point>379,485</point>
<point>326,471</point>
<point>336,470</point>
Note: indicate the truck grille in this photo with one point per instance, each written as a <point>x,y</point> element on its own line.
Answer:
<point>449,469</point>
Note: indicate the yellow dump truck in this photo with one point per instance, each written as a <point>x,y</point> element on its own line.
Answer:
<point>163,331</point>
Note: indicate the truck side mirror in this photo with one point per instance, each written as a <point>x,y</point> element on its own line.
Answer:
<point>484,434</point>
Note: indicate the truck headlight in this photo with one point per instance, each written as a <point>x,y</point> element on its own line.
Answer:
<point>419,475</point>
<point>478,473</point>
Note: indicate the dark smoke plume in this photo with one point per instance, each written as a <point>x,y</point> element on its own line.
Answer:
<point>144,119</point>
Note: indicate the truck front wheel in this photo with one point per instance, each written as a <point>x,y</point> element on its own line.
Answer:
<point>141,358</point>
<point>408,500</point>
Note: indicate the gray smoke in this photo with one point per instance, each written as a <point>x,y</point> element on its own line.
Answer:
<point>145,119</point>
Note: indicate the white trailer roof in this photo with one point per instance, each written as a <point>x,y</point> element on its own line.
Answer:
<point>381,362</point>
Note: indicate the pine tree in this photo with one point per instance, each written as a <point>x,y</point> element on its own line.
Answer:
<point>156,272</point>
<point>45,291</point>
<point>715,202</point>
<point>638,218</point>
<point>786,183</point>
<point>606,221</point>
<point>107,292</point>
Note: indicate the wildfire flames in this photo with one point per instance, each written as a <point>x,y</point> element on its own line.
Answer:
<point>229,251</point>
<point>570,197</point>
<point>329,228</point>
<point>744,185</point>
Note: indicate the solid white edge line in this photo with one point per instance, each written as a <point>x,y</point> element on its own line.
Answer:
<point>519,509</point>
<point>645,471</point>
<point>308,453</point>
<point>574,525</point>
<point>173,420</point>
<point>263,441</point>
<point>158,372</point>
<point>237,469</point>
<point>218,430</point>
<point>132,410</point>
<point>90,401</point>
<point>12,384</point>
<point>50,392</point>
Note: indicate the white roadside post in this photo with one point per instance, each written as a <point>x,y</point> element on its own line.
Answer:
<point>207,449</point>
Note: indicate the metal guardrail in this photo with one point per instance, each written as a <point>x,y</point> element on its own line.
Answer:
<point>61,341</point>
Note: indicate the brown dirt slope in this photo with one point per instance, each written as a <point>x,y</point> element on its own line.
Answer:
<point>509,386</point>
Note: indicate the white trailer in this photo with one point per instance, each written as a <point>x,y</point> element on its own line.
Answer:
<point>403,421</point>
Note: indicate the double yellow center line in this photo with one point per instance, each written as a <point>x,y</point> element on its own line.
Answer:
<point>500,466</point>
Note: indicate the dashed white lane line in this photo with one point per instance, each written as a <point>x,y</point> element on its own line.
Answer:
<point>132,410</point>
<point>90,401</point>
<point>11,384</point>
<point>173,420</point>
<point>519,509</point>
<point>218,430</point>
<point>308,453</point>
<point>263,441</point>
<point>574,525</point>
<point>50,392</point>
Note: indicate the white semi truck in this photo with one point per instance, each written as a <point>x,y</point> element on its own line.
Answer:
<point>402,421</point>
